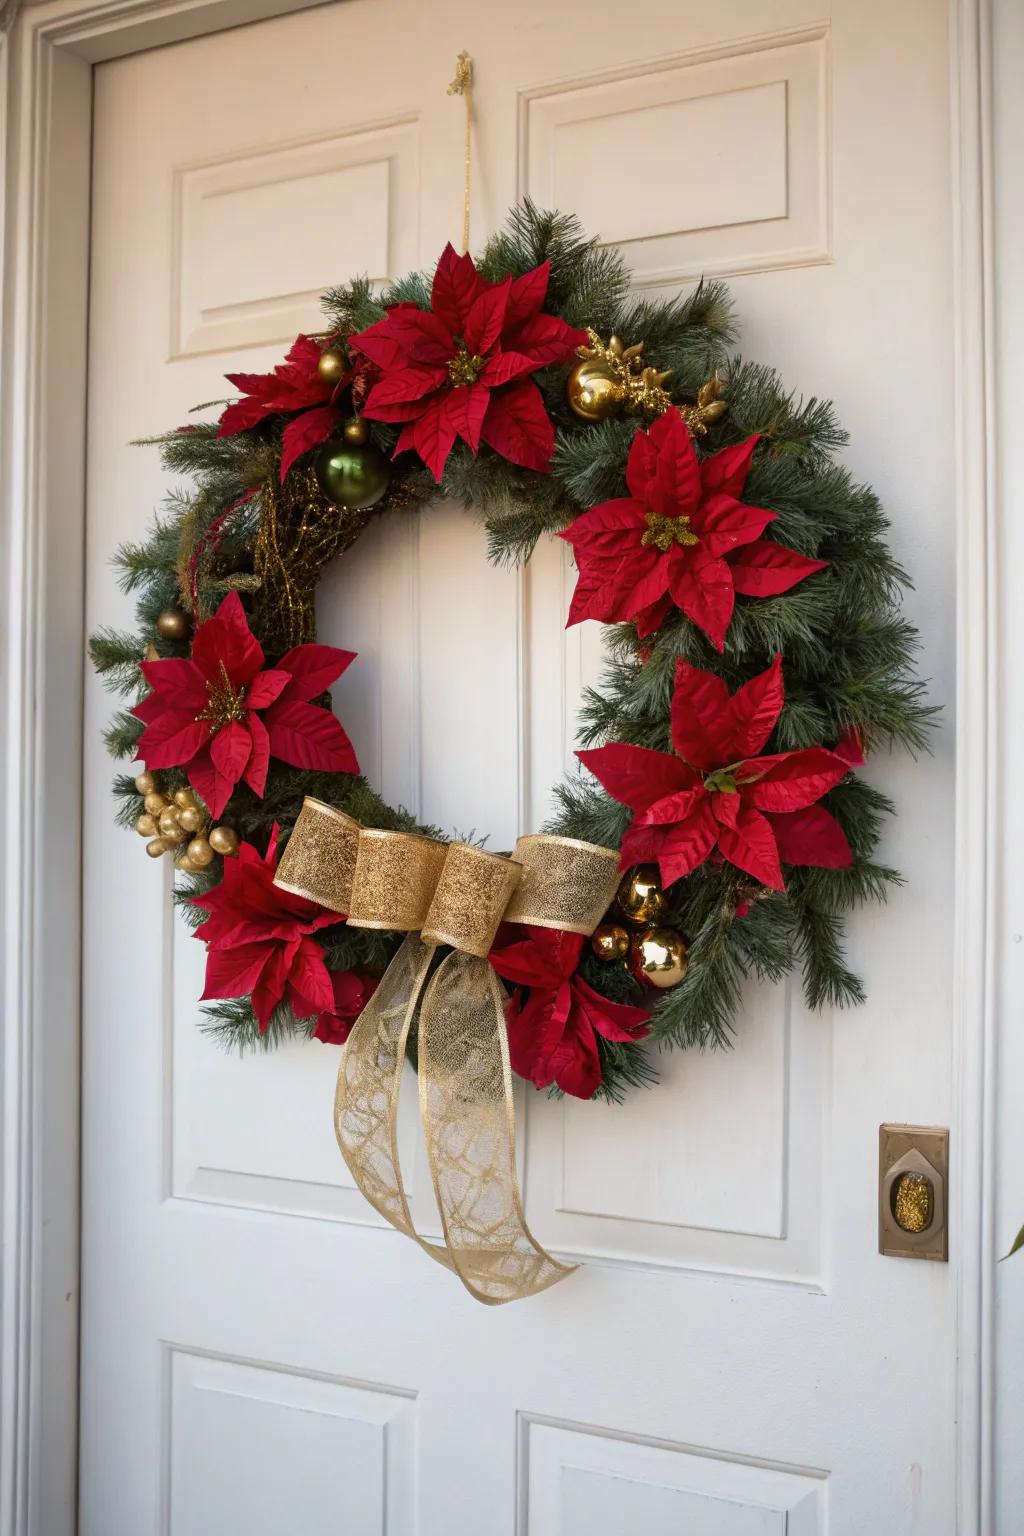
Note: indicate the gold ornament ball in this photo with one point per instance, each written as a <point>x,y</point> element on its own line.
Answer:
<point>332,365</point>
<point>352,475</point>
<point>610,942</point>
<point>199,852</point>
<point>224,840</point>
<point>145,783</point>
<point>185,798</point>
<point>169,820</point>
<point>592,390</point>
<point>146,826</point>
<point>155,803</point>
<point>657,957</point>
<point>639,897</point>
<point>355,430</point>
<point>184,863</point>
<point>172,624</point>
<point>191,819</point>
<point>158,846</point>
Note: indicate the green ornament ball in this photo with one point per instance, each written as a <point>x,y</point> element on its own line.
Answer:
<point>352,475</point>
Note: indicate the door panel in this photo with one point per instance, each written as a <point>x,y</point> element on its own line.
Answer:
<point>735,1357</point>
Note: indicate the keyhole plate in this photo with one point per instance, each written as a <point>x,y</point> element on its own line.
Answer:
<point>913,1191</point>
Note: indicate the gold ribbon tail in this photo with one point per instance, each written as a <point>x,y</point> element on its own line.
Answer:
<point>468,1116</point>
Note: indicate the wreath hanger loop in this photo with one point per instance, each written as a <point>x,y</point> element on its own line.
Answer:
<point>462,85</point>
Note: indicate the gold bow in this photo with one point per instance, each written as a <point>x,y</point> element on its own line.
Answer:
<point>456,895</point>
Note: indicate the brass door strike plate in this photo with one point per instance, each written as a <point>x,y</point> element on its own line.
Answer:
<point>913,1192</point>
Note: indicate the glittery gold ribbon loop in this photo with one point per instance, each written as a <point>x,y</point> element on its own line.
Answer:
<point>450,895</point>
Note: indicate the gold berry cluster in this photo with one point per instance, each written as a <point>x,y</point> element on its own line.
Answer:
<point>176,821</point>
<point>632,931</point>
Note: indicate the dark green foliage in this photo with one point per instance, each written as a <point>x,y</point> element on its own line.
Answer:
<point>848,652</point>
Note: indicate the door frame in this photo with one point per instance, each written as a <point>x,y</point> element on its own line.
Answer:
<point>45,102</point>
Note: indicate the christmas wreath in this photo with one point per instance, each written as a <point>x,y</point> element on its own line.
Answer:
<point>756,648</point>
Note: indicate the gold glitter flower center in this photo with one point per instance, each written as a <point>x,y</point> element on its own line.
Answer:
<point>465,366</point>
<point>223,704</point>
<point>664,531</point>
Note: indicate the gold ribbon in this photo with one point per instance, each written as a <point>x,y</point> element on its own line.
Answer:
<point>453,895</point>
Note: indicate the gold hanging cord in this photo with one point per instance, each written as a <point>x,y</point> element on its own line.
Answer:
<point>462,86</point>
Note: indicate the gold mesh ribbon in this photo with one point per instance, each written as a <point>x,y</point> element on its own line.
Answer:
<point>444,895</point>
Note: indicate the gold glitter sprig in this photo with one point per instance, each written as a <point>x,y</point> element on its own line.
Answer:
<point>639,390</point>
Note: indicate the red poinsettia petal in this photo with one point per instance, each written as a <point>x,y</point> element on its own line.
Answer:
<point>424,337</point>
<point>230,750</point>
<point>352,991</point>
<point>204,780</point>
<point>637,776</point>
<point>728,469</point>
<point>402,387</point>
<point>456,284</point>
<point>225,643</point>
<point>485,318</point>
<point>651,619</point>
<point>312,669</point>
<point>266,687</point>
<point>677,850</point>
<point>526,295</point>
<point>674,487</point>
<point>309,982</point>
<point>535,1029</point>
<point>235,971</point>
<point>811,836</point>
<point>701,723</point>
<point>670,808</point>
<point>518,426</point>
<point>433,435</point>
<point>789,781</point>
<point>380,345</point>
<point>724,523</point>
<point>502,367</point>
<point>466,408</point>
<point>535,957</point>
<point>308,737</point>
<point>302,358</point>
<point>252,383</point>
<point>544,339</point>
<point>269,990</point>
<point>702,588</point>
<point>615,1021</point>
<point>753,711</point>
<point>179,679</point>
<point>751,846</point>
<point>305,432</point>
<point>641,463</point>
<point>609,530</point>
<point>255,771</point>
<point>242,415</point>
<point>575,1064</point>
<point>764,569</point>
<point>172,739</point>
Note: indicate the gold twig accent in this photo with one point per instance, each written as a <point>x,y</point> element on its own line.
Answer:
<point>462,86</point>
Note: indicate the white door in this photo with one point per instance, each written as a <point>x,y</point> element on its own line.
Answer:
<point>259,1354</point>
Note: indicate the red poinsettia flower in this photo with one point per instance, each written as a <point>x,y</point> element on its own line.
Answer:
<point>553,1028</point>
<point>221,717</point>
<point>294,385</point>
<point>758,812</point>
<point>352,992</point>
<point>682,536</point>
<point>460,369</point>
<point>258,939</point>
